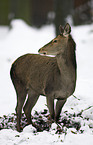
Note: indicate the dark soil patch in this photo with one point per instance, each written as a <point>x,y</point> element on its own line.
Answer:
<point>42,122</point>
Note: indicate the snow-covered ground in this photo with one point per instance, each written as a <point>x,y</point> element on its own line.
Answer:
<point>21,39</point>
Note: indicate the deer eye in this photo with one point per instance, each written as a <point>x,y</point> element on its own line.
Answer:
<point>55,41</point>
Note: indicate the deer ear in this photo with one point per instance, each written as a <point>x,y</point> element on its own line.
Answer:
<point>67,30</point>
<point>61,29</point>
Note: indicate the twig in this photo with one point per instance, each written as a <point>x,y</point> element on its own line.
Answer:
<point>76,97</point>
<point>84,110</point>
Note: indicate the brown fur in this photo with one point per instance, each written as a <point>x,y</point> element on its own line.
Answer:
<point>53,77</point>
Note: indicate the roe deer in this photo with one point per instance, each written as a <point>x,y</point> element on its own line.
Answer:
<point>53,77</point>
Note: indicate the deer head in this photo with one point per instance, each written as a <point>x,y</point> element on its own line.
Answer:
<point>59,43</point>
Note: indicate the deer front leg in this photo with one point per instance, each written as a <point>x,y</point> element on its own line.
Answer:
<point>59,105</point>
<point>50,104</point>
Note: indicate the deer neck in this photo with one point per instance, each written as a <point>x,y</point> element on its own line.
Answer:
<point>67,63</point>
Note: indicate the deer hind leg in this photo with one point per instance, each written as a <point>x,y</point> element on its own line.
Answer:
<point>21,95</point>
<point>59,105</point>
<point>31,101</point>
<point>50,104</point>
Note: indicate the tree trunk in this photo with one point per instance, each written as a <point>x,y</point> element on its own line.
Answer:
<point>63,8</point>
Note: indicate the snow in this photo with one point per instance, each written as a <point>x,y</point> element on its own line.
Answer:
<point>20,39</point>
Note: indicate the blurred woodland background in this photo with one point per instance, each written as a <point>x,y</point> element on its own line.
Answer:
<point>39,12</point>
